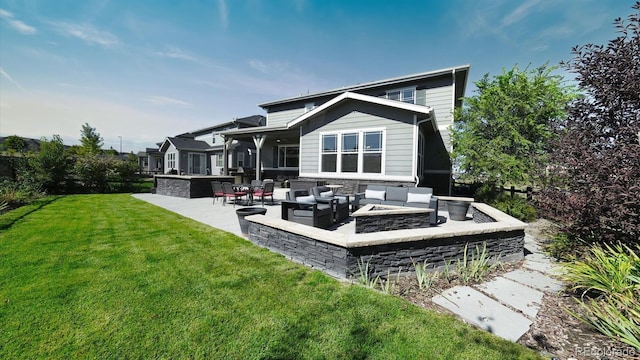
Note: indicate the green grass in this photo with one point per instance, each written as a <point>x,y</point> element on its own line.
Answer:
<point>108,276</point>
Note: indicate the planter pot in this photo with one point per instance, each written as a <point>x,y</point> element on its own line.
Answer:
<point>244,224</point>
<point>458,209</point>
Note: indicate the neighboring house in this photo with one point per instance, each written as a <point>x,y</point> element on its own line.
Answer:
<point>202,152</point>
<point>151,161</point>
<point>390,131</point>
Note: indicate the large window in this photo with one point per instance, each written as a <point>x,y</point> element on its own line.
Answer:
<point>171,160</point>
<point>288,156</point>
<point>407,95</point>
<point>352,152</point>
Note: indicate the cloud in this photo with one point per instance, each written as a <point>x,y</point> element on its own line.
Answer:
<point>8,77</point>
<point>274,67</point>
<point>175,53</point>
<point>87,33</point>
<point>17,24</point>
<point>519,13</point>
<point>163,100</point>
<point>224,13</point>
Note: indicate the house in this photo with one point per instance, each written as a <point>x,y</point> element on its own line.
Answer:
<point>151,161</point>
<point>393,131</point>
<point>204,151</point>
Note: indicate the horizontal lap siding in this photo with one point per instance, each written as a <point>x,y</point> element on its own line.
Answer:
<point>398,126</point>
<point>441,100</point>
<point>281,118</point>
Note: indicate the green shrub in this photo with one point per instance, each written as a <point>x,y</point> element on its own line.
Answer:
<point>609,281</point>
<point>515,206</point>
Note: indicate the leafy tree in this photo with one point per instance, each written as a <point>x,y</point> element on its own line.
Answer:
<point>94,172</point>
<point>596,162</point>
<point>48,168</point>
<point>16,143</point>
<point>90,140</point>
<point>502,133</point>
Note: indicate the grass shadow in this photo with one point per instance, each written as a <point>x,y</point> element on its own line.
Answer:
<point>10,218</point>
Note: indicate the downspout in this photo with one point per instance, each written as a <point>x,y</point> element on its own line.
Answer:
<point>416,178</point>
<point>453,108</point>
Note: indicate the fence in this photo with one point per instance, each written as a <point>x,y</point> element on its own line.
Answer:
<point>465,189</point>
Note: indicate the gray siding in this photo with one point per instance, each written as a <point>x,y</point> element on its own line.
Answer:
<point>441,100</point>
<point>398,126</point>
<point>280,118</point>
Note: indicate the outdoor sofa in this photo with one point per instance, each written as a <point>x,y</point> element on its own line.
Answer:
<point>420,197</point>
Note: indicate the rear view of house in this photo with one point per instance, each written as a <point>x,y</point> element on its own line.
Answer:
<point>390,131</point>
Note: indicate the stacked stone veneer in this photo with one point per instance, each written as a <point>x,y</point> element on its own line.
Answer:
<point>338,254</point>
<point>187,186</point>
<point>375,218</point>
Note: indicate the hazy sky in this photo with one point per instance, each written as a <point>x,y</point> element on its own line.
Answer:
<point>144,70</point>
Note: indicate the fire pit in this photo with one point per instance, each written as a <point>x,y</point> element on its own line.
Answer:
<point>374,218</point>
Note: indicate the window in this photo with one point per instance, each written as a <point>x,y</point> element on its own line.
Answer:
<point>219,160</point>
<point>197,163</point>
<point>171,160</point>
<point>372,156</point>
<point>240,160</point>
<point>405,95</point>
<point>288,156</point>
<point>349,155</point>
<point>213,138</point>
<point>358,152</point>
<point>329,153</point>
<point>309,106</point>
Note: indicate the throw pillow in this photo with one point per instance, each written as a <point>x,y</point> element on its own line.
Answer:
<point>418,198</point>
<point>306,199</point>
<point>375,194</point>
<point>326,194</point>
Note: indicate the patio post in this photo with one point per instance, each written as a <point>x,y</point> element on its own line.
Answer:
<point>225,154</point>
<point>258,140</point>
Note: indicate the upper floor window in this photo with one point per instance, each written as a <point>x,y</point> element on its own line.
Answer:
<point>309,106</point>
<point>352,152</point>
<point>407,95</point>
<point>213,138</point>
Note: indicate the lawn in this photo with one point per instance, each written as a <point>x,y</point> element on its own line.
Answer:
<point>109,276</point>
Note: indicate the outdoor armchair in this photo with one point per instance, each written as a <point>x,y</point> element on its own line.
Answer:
<point>341,205</point>
<point>303,209</point>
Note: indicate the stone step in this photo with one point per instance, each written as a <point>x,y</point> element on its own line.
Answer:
<point>484,312</point>
<point>535,280</point>
<point>516,295</point>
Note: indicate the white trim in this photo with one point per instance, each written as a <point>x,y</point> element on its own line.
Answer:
<point>365,98</point>
<point>360,133</point>
<point>356,176</point>
<point>414,156</point>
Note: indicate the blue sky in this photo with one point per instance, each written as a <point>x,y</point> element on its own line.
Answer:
<point>144,70</point>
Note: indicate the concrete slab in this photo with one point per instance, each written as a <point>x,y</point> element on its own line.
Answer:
<point>539,258</point>
<point>484,312</point>
<point>535,280</point>
<point>514,294</point>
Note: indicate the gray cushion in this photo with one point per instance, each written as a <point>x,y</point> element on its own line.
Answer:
<point>397,194</point>
<point>369,201</point>
<point>418,205</point>
<point>394,203</point>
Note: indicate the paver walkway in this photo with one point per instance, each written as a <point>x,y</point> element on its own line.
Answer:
<point>507,305</point>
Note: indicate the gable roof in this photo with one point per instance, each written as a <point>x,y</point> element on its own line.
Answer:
<point>374,84</point>
<point>426,111</point>
<point>184,143</point>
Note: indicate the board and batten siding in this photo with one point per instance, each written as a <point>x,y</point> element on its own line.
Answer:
<point>441,100</point>
<point>398,136</point>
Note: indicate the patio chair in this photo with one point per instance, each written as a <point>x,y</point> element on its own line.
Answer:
<point>341,205</point>
<point>305,210</point>
<point>230,192</point>
<point>263,191</point>
<point>218,190</point>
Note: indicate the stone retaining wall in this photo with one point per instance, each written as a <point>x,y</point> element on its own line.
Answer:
<point>187,186</point>
<point>342,260</point>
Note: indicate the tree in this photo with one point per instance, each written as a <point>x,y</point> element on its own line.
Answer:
<point>16,143</point>
<point>91,141</point>
<point>48,168</point>
<point>596,161</point>
<point>502,133</point>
